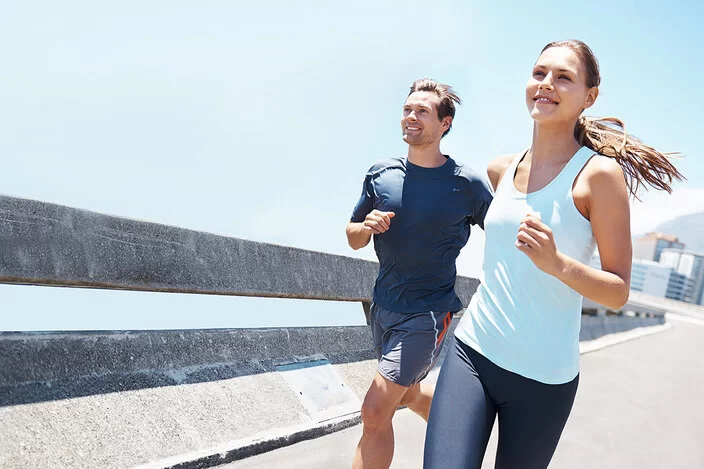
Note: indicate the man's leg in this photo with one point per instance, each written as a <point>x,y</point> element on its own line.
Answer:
<point>428,342</point>
<point>418,398</point>
<point>376,447</point>
<point>409,345</point>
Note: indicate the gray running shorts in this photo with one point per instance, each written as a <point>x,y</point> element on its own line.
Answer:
<point>407,344</point>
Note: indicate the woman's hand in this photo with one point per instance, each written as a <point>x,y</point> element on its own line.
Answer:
<point>536,240</point>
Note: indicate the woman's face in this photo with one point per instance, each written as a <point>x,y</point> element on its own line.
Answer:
<point>557,90</point>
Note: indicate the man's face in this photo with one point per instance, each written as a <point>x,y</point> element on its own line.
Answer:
<point>420,125</point>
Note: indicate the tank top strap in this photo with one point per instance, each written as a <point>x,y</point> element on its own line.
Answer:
<point>565,180</point>
<point>507,178</point>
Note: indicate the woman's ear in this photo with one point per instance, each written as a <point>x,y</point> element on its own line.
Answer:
<point>592,94</point>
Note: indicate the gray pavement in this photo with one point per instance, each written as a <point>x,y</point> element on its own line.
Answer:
<point>640,405</point>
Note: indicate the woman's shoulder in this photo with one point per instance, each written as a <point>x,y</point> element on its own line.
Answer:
<point>601,181</point>
<point>602,168</point>
<point>503,161</point>
<point>498,166</point>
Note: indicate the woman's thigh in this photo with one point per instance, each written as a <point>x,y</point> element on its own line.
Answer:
<point>461,415</point>
<point>531,421</point>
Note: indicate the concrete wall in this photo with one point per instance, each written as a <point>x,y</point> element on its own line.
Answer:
<point>595,327</point>
<point>121,399</point>
<point>58,365</point>
<point>188,398</point>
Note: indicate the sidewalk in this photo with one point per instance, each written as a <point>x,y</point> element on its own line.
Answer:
<point>640,405</point>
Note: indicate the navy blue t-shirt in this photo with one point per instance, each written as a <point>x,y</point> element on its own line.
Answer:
<point>434,208</point>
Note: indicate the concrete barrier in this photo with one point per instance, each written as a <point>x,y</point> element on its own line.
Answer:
<point>191,398</point>
<point>594,327</point>
<point>122,399</point>
<point>58,365</point>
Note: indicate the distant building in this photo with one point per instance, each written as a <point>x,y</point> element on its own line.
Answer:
<point>690,264</point>
<point>649,246</point>
<point>655,279</point>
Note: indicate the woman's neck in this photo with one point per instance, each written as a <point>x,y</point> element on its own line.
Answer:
<point>553,143</point>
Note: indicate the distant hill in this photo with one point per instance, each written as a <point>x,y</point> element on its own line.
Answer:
<point>688,228</point>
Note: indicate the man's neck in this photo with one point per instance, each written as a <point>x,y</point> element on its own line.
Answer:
<point>426,156</point>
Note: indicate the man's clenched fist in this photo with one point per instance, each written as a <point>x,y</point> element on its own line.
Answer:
<point>377,222</point>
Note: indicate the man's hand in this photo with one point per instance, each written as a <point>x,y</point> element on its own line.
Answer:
<point>360,233</point>
<point>377,222</point>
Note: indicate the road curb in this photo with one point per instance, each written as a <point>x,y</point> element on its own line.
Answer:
<point>682,318</point>
<point>608,340</point>
<point>241,449</point>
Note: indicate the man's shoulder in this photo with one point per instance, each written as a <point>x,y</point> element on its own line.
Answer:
<point>388,163</point>
<point>467,172</point>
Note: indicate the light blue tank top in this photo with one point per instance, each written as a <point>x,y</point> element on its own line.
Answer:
<point>521,318</point>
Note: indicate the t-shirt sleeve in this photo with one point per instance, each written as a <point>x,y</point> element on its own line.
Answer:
<point>482,195</point>
<point>365,204</point>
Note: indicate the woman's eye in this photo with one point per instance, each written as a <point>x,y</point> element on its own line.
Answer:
<point>538,74</point>
<point>565,77</point>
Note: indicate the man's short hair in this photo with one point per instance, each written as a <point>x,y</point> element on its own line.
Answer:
<point>448,97</point>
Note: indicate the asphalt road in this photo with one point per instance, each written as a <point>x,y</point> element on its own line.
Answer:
<point>640,405</point>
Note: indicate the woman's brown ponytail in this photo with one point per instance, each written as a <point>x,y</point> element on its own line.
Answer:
<point>641,163</point>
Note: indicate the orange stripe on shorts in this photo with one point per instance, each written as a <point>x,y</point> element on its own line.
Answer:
<point>445,323</point>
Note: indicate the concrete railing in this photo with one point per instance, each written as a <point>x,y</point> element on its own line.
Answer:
<point>48,244</point>
<point>179,398</point>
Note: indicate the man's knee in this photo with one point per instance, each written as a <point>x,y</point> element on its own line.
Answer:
<point>380,404</point>
<point>376,415</point>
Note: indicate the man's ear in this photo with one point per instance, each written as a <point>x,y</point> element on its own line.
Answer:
<point>592,94</point>
<point>446,122</point>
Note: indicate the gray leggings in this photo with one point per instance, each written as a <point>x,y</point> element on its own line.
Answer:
<point>470,392</point>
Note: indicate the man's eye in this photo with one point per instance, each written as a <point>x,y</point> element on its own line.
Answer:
<point>538,74</point>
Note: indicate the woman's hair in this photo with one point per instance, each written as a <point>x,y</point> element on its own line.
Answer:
<point>641,163</point>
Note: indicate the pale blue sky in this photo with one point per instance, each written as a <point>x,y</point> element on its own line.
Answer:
<point>258,119</point>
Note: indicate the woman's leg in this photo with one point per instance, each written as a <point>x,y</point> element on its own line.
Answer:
<point>461,415</point>
<point>531,419</point>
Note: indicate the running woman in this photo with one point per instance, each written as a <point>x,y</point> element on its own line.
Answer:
<point>516,353</point>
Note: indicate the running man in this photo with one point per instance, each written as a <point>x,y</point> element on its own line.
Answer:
<point>419,209</point>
